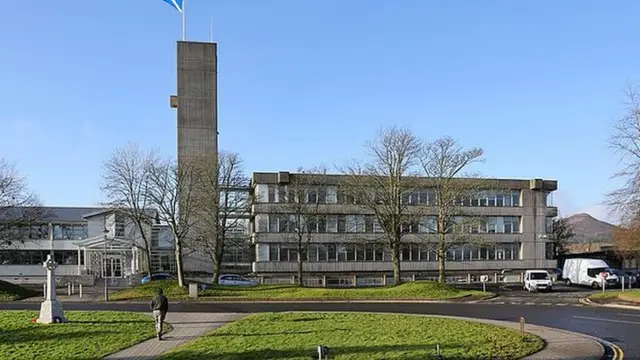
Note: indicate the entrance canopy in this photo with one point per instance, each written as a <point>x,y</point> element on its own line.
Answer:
<point>98,242</point>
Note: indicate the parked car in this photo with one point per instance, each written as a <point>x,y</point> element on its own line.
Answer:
<point>634,274</point>
<point>628,279</point>
<point>146,279</point>
<point>236,280</point>
<point>535,280</point>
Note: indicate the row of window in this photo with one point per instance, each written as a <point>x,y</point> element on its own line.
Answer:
<point>281,223</point>
<point>340,252</point>
<point>333,195</point>
<point>60,232</point>
<point>38,257</point>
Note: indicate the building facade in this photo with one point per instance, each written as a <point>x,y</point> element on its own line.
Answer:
<point>346,246</point>
<point>86,242</point>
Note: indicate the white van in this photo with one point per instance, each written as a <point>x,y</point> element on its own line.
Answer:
<point>588,272</point>
<point>535,280</point>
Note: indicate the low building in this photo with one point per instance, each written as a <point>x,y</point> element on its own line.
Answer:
<point>345,247</point>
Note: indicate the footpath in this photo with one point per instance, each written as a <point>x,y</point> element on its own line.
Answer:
<point>560,344</point>
<point>185,327</point>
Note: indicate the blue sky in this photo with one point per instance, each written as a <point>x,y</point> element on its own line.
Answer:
<point>536,84</point>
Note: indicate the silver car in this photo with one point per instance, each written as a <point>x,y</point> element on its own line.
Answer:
<point>236,280</point>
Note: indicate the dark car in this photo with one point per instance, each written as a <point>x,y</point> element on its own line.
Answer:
<point>628,279</point>
<point>146,279</point>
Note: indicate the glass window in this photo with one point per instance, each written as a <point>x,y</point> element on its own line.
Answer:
<point>342,223</point>
<point>548,226</point>
<point>332,194</point>
<point>341,249</point>
<point>549,251</point>
<point>332,223</point>
<point>499,200</point>
<point>369,252</point>
<point>379,252</point>
<point>360,252</point>
<point>331,252</point>
<point>515,198</point>
<point>273,223</point>
<point>406,253</point>
<point>415,252</point>
<point>312,195</point>
<point>312,255</point>
<point>322,224</point>
<point>500,252</point>
<point>350,224</point>
<point>491,199</point>
<point>351,252</point>
<point>431,193</point>
<point>507,200</point>
<point>368,223</point>
<point>283,224</point>
<point>322,252</point>
<point>482,198</point>
<point>272,193</point>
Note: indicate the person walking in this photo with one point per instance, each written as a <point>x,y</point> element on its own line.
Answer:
<point>159,306</point>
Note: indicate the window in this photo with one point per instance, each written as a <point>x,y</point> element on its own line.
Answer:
<point>120,226</point>
<point>360,252</point>
<point>369,252</point>
<point>342,223</point>
<point>341,250</point>
<point>312,195</point>
<point>549,251</point>
<point>283,224</point>
<point>511,224</point>
<point>515,198</point>
<point>405,253</point>
<point>499,200</point>
<point>548,225</point>
<point>351,252</point>
<point>312,255</point>
<point>332,194</point>
<point>428,225</point>
<point>274,252</point>
<point>273,223</point>
<point>322,195</point>
<point>491,199</point>
<point>379,253</point>
<point>332,223</point>
<point>272,194</point>
<point>332,252</point>
<point>322,224</point>
<point>322,252</point>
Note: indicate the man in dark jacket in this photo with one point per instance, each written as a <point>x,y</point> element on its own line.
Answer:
<point>159,306</point>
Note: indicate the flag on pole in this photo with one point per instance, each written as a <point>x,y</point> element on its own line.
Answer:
<point>177,4</point>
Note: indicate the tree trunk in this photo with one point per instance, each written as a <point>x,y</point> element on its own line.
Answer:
<point>179,266</point>
<point>395,257</point>
<point>148,256</point>
<point>300,268</point>
<point>217,265</point>
<point>441,259</point>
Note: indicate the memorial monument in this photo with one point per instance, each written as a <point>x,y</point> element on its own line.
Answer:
<point>51,309</point>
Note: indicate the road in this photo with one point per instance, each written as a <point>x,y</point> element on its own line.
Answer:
<point>620,327</point>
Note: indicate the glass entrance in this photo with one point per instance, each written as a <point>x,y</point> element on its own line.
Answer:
<point>113,267</point>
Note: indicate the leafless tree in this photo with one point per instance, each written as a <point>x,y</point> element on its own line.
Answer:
<point>562,232</point>
<point>172,192</point>
<point>380,184</point>
<point>19,207</point>
<point>443,163</point>
<point>222,205</point>
<point>625,142</point>
<point>300,204</point>
<point>126,186</point>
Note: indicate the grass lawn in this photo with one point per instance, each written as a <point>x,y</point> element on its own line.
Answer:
<point>409,291</point>
<point>12,292</point>
<point>356,336</point>
<point>87,335</point>
<point>633,295</point>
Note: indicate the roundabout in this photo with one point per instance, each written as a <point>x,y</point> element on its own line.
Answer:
<point>617,329</point>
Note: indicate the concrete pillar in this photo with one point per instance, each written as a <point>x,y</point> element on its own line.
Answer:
<point>468,278</point>
<point>413,277</point>
<point>324,280</point>
<point>495,278</point>
<point>384,279</point>
<point>355,280</point>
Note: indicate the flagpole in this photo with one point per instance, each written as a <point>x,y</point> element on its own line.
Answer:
<point>183,20</point>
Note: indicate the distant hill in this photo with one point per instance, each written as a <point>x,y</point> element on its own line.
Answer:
<point>588,229</point>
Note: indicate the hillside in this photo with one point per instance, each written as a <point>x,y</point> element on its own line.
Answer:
<point>589,229</point>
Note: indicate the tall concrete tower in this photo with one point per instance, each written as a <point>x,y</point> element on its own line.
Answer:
<point>197,100</point>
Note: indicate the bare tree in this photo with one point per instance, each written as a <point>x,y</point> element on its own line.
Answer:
<point>172,192</point>
<point>299,208</point>
<point>625,142</point>
<point>380,184</point>
<point>562,232</point>
<point>126,185</point>
<point>627,239</point>
<point>443,163</point>
<point>19,207</point>
<point>222,205</point>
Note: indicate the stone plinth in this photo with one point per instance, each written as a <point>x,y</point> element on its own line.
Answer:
<point>51,309</point>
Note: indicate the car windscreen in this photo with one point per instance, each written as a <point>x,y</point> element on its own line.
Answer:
<point>539,276</point>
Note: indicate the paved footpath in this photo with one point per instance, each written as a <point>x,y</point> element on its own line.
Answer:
<point>186,327</point>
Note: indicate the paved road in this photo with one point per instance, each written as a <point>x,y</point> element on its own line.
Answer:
<point>620,327</point>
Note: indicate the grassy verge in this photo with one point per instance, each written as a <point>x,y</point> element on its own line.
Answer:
<point>12,292</point>
<point>423,290</point>
<point>356,336</point>
<point>616,296</point>
<point>87,335</point>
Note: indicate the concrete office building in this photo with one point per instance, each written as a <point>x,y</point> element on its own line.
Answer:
<point>343,252</point>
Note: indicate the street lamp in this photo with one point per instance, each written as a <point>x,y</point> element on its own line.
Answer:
<point>104,266</point>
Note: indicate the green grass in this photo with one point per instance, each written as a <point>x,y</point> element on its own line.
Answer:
<point>356,336</point>
<point>425,290</point>
<point>12,292</point>
<point>87,335</point>
<point>612,295</point>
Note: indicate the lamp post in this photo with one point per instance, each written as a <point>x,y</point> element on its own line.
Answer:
<point>104,266</point>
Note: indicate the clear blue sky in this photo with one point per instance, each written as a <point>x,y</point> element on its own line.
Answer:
<point>535,84</point>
